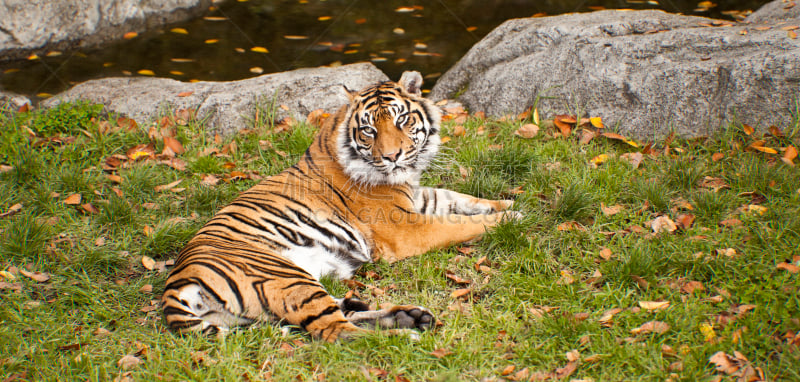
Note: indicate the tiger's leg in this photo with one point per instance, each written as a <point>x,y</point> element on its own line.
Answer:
<point>409,234</point>
<point>399,316</point>
<point>438,201</point>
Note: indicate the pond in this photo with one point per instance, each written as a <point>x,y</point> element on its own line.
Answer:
<point>244,38</point>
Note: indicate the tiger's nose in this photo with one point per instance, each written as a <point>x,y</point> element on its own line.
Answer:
<point>392,157</point>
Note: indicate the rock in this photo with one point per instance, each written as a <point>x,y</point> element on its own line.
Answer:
<point>12,101</point>
<point>228,106</point>
<point>777,10</point>
<point>644,72</point>
<point>27,26</point>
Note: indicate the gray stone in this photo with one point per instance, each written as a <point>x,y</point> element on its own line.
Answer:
<point>12,101</point>
<point>27,26</point>
<point>646,73</point>
<point>227,105</point>
<point>774,11</point>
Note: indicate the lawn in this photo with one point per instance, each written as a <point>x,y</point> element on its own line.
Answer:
<point>672,261</point>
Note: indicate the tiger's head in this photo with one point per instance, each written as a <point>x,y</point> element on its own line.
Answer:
<point>390,133</point>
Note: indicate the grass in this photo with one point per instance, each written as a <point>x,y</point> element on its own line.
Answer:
<point>539,287</point>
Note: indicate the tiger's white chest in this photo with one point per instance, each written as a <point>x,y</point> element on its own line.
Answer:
<point>319,261</point>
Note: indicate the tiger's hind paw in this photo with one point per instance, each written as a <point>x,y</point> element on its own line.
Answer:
<point>396,317</point>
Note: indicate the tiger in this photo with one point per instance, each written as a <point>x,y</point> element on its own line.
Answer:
<point>352,198</point>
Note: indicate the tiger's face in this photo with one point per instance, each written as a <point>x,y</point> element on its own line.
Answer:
<point>390,133</point>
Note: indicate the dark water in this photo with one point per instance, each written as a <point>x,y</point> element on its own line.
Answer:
<point>429,36</point>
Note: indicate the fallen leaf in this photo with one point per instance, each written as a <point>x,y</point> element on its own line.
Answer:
<point>717,157</point>
<point>748,129</point>
<point>600,159</point>
<point>611,210</point>
<point>607,316</point>
<point>663,224</point>
<point>128,362</point>
<point>692,286</point>
<point>141,151</point>
<point>167,186</point>
<point>101,332</point>
<point>732,222</point>
<point>73,199</point>
<point>36,276</point>
<point>596,122</point>
<point>147,288</point>
<point>88,207</point>
<point>129,35</point>
<point>566,371</point>
<point>787,266</point>
<point>605,253</point>
<point>12,210</point>
<point>457,279</point>
<point>725,363</point>
<point>653,305</point>
<point>707,330</point>
<point>527,130</point>
<point>508,370</point>
<point>148,263</point>
<point>635,159</point>
<point>657,327</point>
<point>460,292</point>
<point>441,353</point>
<point>790,153</point>
<point>174,144</point>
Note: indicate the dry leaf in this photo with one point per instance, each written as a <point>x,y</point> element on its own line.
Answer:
<point>605,253</point>
<point>596,122</point>
<point>600,159</point>
<point>685,221</point>
<point>73,199</point>
<point>663,224</point>
<point>611,210</point>
<point>148,263</point>
<point>168,186</point>
<point>101,332</point>
<point>527,130</point>
<point>654,305</point>
<point>717,157</point>
<point>457,279</point>
<point>12,210</point>
<point>174,145</point>
<point>128,362</point>
<point>441,353</point>
<point>657,327</point>
<point>147,288</point>
<point>635,159</point>
<point>787,266</point>
<point>508,370</point>
<point>35,276</point>
<point>460,292</point>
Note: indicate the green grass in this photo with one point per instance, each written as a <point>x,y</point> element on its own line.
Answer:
<point>540,293</point>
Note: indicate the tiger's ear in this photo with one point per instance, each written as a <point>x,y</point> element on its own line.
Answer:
<point>351,94</point>
<point>411,82</point>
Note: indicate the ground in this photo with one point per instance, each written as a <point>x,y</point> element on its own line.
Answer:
<point>671,261</point>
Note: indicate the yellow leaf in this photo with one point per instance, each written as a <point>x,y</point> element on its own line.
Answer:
<point>259,49</point>
<point>536,117</point>
<point>707,330</point>
<point>212,41</point>
<point>653,305</point>
<point>755,208</point>
<point>599,159</point>
<point>596,122</point>
<point>295,37</point>
<point>179,31</point>
<point>748,129</point>
<point>146,72</point>
<point>765,149</point>
<point>129,35</point>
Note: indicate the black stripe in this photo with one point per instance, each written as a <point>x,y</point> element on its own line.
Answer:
<point>301,282</point>
<point>424,201</point>
<point>316,295</point>
<point>183,324</point>
<point>329,310</point>
<point>173,310</point>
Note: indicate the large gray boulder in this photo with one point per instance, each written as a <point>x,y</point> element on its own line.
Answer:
<point>645,73</point>
<point>227,105</point>
<point>31,25</point>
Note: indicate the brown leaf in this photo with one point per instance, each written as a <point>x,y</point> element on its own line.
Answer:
<point>566,371</point>
<point>564,127</point>
<point>174,145</point>
<point>460,292</point>
<point>141,151</point>
<point>713,183</point>
<point>508,370</point>
<point>685,221</point>
<point>790,153</point>
<point>36,276</point>
<point>527,130</point>
<point>692,286</point>
<point>732,222</point>
<point>128,362</point>
<point>101,332</point>
<point>185,94</point>
<point>441,353</point>
<point>209,180</point>
<point>725,363</point>
<point>605,253</point>
<point>16,287</point>
<point>657,327</point>
<point>716,157</point>
<point>168,186</point>
<point>457,279</point>
<point>148,263</point>
<point>13,210</point>
<point>73,199</point>
<point>147,288</point>
<point>663,224</point>
<point>88,207</point>
<point>317,117</point>
<point>644,284</point>
<point>635,159</point>
<point>611,210</point>
<point>787,266</point>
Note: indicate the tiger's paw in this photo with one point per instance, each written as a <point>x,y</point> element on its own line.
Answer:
<point>407,317</point>
<point>396,317</point>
